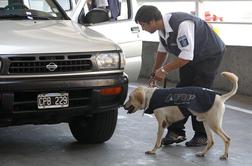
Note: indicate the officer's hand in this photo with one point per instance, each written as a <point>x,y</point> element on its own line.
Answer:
<point>159,74</point>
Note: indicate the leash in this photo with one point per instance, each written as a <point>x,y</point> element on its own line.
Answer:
<point>165,80</point>
<point>154,84</point>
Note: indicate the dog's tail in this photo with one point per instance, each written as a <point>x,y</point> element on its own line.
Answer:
<point>234,79</point>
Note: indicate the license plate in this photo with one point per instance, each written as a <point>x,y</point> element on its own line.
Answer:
<point>53,100</point>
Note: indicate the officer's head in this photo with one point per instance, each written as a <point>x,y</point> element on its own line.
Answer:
<point>147,16</point>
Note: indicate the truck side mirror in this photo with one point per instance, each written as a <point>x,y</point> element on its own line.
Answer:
<point>96,15</point>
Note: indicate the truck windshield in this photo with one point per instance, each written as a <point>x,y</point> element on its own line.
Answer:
<point>30,10</point>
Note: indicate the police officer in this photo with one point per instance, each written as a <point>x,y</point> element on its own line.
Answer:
<point>198,51</point>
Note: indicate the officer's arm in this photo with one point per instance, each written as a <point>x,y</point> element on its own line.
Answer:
<point>160,58</point>
<point>185,40</point>
<point>175,64</point>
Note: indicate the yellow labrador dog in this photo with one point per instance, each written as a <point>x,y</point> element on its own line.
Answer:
<point>211,103</point>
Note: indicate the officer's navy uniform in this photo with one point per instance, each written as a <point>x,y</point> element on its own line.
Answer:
<point>204,49</point>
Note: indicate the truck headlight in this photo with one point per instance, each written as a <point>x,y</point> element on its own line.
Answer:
<point>122,60</point>
<point>108,60</point>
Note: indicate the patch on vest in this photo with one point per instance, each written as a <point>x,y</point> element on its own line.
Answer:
<point>183,41</point>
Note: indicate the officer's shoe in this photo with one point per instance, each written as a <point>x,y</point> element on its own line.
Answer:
<point>197,140</point>
<point>171,138</point>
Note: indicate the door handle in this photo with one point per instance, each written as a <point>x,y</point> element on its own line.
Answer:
<point>135,29</point>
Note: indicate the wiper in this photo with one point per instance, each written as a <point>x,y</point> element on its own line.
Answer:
<point>14,17</point>
<point>41,18</point>
<point>25,17</point>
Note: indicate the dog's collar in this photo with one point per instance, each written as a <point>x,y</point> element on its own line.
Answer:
<point>147,104</point>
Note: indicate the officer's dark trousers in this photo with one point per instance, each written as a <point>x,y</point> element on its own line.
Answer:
<point>196,74</point>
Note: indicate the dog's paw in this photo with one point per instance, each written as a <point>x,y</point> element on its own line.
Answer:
<point>200,154</point>
<point>150,152</point>
<point>224,157</point>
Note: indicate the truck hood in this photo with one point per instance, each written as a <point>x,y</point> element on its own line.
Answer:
<point>53,36</point>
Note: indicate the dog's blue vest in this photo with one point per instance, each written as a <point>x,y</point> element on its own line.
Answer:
<point>193,98</point>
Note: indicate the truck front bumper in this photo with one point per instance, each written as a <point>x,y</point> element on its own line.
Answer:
<point>19,105</point>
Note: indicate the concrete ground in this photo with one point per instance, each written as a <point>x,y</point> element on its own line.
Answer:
<point>53,145</point>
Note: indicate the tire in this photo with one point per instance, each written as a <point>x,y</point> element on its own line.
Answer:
<point>96,128</point>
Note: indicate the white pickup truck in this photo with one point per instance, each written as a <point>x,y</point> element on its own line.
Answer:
<point>54,69</point>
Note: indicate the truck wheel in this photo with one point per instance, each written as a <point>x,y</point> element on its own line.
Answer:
<point>96,128</point>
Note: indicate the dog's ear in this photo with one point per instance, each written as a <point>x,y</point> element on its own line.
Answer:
<point>139,95</point>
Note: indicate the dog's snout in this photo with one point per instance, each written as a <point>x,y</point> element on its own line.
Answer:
<point>130,109</point>
<point>125,107</point>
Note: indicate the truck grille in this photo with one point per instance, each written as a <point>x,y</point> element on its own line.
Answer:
<point>49,64</point>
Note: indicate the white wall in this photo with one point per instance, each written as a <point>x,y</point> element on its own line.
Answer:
<point>235,29</point>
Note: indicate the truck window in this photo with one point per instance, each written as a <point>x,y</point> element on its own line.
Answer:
<point>117,9</point>
<point>65,4</point>
<point>30,10</point>
<point>125,10</point>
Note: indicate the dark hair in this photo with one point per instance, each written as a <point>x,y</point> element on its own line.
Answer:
<point>147,13</point>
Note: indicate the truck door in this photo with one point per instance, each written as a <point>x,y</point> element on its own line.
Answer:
<point>122,30</point>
